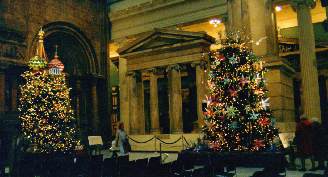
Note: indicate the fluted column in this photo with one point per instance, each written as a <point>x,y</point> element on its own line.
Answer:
<point>201,92</point>
<point>2,90</point>
<point>237,15</point>
<point>133,104</point>
<point>154,110</point>
<point>175,99</point>
<point>308,61</point>
<point>94,97</point>
<point>140,104</point>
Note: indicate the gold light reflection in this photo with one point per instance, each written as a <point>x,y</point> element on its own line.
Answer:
<point>287,17</point>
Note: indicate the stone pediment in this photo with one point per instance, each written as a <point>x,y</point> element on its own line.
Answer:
<point>162,38</point>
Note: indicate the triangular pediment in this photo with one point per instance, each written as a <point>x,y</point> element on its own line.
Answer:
<point>163,38</point>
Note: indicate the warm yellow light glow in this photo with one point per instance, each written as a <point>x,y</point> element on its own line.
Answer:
<point>288,17</point>
<point>215,22</point>
<point>278,8</point>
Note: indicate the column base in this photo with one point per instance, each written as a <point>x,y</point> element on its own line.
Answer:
<point>177,131</point>
<point>134,131</point>
<point>155,131</point>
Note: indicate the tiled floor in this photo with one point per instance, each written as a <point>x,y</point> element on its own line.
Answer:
<point>241,172</point>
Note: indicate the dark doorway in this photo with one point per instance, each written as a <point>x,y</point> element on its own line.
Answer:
<point>163,104</point>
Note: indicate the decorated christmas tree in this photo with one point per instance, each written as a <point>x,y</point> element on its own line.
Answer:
<point>238,117</point>
<point>47,120</point>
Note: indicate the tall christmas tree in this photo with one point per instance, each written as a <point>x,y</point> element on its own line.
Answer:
<point>47,120</point>
<point>238,117</point>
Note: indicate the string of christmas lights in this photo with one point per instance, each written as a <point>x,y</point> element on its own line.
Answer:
<point>47,120</point>
<point>238,117</point>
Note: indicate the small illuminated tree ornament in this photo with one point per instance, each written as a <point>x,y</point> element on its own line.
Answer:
<point>215,22</point>
<point>56,66</point>
<point>265,103</point>
<point>36,63</point>
<point>39,61</point>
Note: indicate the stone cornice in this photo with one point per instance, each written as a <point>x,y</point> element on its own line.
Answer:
<point>275,62</point>
<point>140,8</point>
<point>297,3</point>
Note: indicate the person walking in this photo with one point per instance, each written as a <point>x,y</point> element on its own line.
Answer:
<point>122,141</point>
<point>318,143</point>
<point>303,137</point>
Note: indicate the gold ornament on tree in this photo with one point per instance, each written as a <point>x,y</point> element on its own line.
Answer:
<point>39,61</point>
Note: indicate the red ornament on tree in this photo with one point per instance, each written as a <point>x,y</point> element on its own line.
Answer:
<point>215,145</point>
<point>220,57</point>
<point>264,121</point>
<point>258,144</point>
<point>233,92</point>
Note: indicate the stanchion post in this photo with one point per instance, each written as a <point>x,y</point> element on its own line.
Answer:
<point>160,150</point>
<point>182,142</point>
<point>155,142</point>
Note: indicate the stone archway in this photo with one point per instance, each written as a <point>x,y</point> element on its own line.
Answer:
<point>77,40</point>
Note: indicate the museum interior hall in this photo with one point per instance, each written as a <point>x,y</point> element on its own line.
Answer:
<point>163,88</point>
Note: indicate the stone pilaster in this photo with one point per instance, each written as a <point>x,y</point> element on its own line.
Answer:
<point>263,31</point>
<point>308,61</point>
<point>133,102</point>
<point>94,97</point>
<point>175,99</point>
<point>2,90</point>
<point>154,110</point>
<point>201,91</point>
<point>14,94</point>
<point>78,102</point>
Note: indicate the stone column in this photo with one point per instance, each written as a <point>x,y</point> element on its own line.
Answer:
<point>94,97</point>
<point>175,99</point>
<point>308,61</point>
<point>140,104</point>
<point>2,90</point>
<point>154,110</point>
<point>237,15</point>
<point>201,92</point>
<point>124,94</point>
<point>133,102</point>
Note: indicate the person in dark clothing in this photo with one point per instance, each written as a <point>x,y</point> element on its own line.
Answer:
<point>303,137</point>
<point>325,145</point>
<point>318,143</point>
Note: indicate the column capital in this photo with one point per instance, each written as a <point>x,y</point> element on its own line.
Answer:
<point>135,74</point>
<point>203,64</point>
<point>131,73</point>
<point>309,3</point>
<point>176,67</point>
<point>153,70</point>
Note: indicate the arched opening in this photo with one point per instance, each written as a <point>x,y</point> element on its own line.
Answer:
<point>81,66</point>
